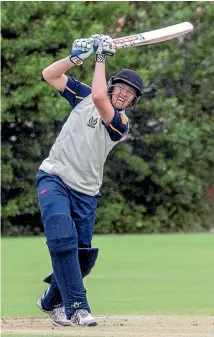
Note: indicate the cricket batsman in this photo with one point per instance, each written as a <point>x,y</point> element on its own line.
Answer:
<point>69,180</point>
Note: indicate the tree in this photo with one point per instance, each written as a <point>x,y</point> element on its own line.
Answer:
<point>156,180</point>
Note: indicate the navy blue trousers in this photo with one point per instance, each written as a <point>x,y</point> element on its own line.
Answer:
<point>68,217</point>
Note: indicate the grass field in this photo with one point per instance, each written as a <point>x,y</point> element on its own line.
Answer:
<point>135,274</point>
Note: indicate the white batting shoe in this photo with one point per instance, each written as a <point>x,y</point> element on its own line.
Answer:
<point>83,317</point>
<point>57,314</point>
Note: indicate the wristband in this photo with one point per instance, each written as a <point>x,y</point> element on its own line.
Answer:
<point>100,58</point>
<point>76,60</point>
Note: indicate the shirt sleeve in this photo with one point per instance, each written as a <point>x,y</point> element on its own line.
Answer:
<point>118,126</point>
<point>75,91</point>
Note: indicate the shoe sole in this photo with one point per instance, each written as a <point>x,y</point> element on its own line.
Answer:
<point>92,324</point>
<point>57,324</point>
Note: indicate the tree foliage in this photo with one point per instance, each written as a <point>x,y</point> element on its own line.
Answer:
<point>156,180</point>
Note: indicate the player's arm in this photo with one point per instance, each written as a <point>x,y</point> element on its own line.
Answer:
<point>99,84</point>
<point>55,73</point>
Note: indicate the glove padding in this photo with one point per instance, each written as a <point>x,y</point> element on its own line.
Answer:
<point>81,49</point>
<point>103,44</point>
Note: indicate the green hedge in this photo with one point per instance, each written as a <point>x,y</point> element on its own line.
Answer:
<point>155,181</point>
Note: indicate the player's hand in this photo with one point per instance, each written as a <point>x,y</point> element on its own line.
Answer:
<point>81,49</point>
<point>103,44</point>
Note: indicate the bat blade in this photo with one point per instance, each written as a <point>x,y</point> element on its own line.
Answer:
<point>154,36</point>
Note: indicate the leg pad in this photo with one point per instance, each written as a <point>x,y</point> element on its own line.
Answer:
<point>87,259</point>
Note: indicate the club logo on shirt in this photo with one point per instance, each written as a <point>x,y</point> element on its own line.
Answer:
<point>92,122</point>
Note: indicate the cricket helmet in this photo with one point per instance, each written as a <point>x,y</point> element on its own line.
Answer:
<point>131,78</point>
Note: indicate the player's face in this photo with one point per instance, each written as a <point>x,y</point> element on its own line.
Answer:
<point>122,95</point>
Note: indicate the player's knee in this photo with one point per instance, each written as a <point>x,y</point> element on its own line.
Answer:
<point>61,234</point>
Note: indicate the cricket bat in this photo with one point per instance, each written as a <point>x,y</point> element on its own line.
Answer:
<point>154,36</point>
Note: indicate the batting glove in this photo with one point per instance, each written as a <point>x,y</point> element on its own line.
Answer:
<point>104,46</point>
<point>81,49</point>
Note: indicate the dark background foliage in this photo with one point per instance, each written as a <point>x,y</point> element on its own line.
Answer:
<point>155,181</point>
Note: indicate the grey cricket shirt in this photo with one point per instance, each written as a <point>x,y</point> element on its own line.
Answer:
<point>81,148</point>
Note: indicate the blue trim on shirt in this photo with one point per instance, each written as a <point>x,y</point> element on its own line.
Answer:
<point>117,128</point>
<point>78,91</point>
